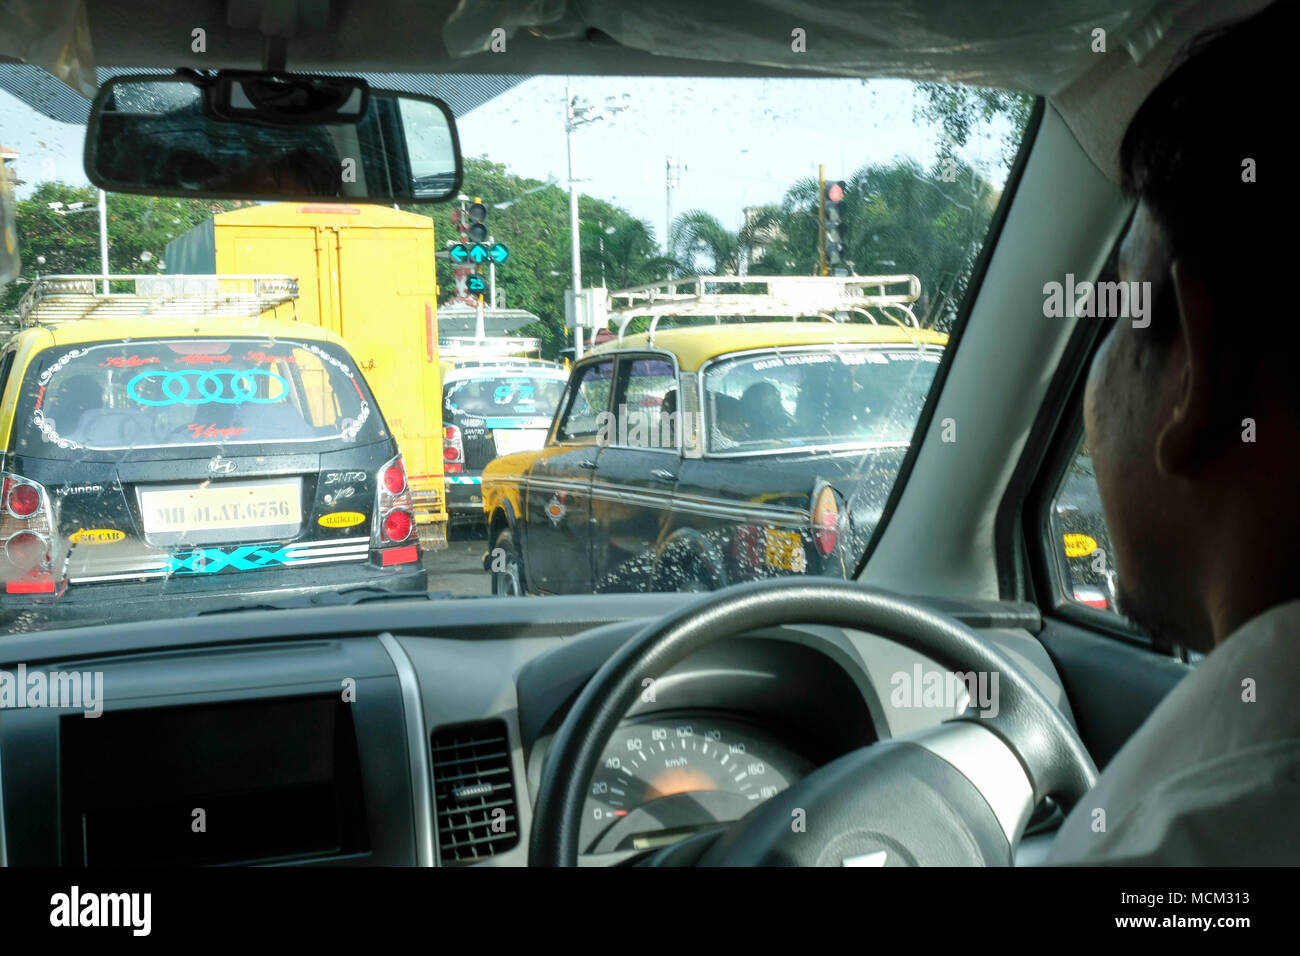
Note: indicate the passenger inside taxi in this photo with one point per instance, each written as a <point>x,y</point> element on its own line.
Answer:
<point>764,413</point>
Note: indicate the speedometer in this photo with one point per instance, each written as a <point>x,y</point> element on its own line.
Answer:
<point>660,780</point>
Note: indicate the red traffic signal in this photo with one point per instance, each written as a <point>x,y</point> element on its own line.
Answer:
<point>835,191</point>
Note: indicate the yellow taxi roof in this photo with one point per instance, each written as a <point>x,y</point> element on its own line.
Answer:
<point>695,345</point>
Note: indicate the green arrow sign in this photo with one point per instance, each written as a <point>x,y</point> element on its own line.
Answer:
<point>458,253</point>
<point>499,253</point>
<point>478,253</point>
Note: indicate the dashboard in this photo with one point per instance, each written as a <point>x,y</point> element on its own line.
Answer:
<point>414,731</point>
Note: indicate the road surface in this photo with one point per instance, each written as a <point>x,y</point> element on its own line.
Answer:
<point>459,569</point>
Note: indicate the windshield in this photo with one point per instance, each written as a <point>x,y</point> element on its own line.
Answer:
<point>504,396</point>
<point>816,398</point>
<point>706,368</point>
<point>175,396</point>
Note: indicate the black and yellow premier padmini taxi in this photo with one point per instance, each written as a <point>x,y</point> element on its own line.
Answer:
<point>710,455</point>
<point>209,463</point>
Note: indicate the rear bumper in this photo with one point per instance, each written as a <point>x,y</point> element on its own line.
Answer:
<point>177,597</point>
<point>465,494</point>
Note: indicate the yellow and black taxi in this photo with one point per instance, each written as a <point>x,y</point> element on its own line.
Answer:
<point>700,456</point>
<point>211,462</point>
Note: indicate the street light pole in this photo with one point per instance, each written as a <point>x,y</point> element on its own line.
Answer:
<point>103,236</point>
<point>573,222</point>
<point>576,116</point>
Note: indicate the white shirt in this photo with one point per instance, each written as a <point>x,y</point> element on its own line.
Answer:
<point>1212,776</point>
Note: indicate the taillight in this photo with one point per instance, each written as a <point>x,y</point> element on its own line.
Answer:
<point>26,550</point>
<point>25,531</point>
<point>394,511</point>
<point>394,478</point>
<point>825,519</point>
<point>22,500</point>
<point>453,446</point>
<point>398,525</point>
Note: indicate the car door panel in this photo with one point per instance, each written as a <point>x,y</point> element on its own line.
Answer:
<point>1113,686</point>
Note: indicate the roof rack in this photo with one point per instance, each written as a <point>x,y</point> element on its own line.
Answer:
<point>69,298</point>
<point>767,296</point>
<point>468,346</point>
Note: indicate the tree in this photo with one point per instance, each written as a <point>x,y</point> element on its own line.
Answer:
<point>622,251</point>
<point>69,244</point>
<point>698,232</point>
<point>958,110</point>
<point>902,219</point>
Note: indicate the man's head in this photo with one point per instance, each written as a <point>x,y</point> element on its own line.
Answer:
<point>1193,421</point>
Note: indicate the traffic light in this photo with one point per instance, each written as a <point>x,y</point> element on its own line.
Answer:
<point>834,238</point>
<point>478,230</point>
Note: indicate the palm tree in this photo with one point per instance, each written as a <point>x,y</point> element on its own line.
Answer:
<point>699,231</point>
<point>624,252</point>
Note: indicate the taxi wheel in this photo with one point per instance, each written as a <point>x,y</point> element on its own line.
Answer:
<point>507,566</point>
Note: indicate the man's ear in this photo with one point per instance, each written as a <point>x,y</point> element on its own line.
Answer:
<point>1187,435</point>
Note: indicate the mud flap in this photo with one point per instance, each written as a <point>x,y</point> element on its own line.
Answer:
<point>433,536</point>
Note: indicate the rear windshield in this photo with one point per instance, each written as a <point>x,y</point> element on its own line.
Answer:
<point>816,397</point>
<point>504,396</point>
<point>170,395</point>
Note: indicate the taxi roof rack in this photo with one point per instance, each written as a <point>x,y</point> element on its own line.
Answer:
<point>718,296</point>
<point>70,298</point>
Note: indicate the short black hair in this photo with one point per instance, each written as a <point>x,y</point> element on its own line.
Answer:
<point>1224,102</point>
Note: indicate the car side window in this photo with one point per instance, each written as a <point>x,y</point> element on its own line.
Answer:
<point>588,400</point>
<point>1080,538</point>
<point>646,416</point>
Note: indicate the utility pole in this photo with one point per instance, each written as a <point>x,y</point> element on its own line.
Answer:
<point>569,127</point>
<point>103,236</point>
<point>822,269</point>
<point>577,115</point>
<point>672,179</point>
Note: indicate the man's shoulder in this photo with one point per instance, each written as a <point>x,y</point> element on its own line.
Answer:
<point>1236,809</point>
<point>1235,702</point>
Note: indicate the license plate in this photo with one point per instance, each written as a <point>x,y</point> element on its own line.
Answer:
<point>510,440</point>
<point>784,550</point>
<point>221,507</point>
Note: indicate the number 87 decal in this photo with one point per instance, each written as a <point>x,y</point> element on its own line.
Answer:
<point>505,394</point>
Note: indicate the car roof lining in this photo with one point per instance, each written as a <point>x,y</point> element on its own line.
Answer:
<point>1038,46</point>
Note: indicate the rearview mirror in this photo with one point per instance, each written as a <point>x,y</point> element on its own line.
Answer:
<point>271,136</point>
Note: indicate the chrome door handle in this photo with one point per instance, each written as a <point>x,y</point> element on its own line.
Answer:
<point>586,464</point>
<point>663,474</point>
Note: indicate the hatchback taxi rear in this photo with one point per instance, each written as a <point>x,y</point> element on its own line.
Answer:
<point>214,467</point>
<point>491,410</point>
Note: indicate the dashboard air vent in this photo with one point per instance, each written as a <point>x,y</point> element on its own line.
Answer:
<point>474,791</point>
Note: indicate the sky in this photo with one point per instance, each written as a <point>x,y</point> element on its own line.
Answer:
<point>740,142</point>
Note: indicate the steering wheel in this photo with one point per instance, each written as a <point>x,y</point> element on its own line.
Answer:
<point>958,794</point>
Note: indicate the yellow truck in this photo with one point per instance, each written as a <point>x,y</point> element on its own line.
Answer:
<point>367,273</point>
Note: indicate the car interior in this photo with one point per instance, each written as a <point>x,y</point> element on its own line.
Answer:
<point>504,731</point>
